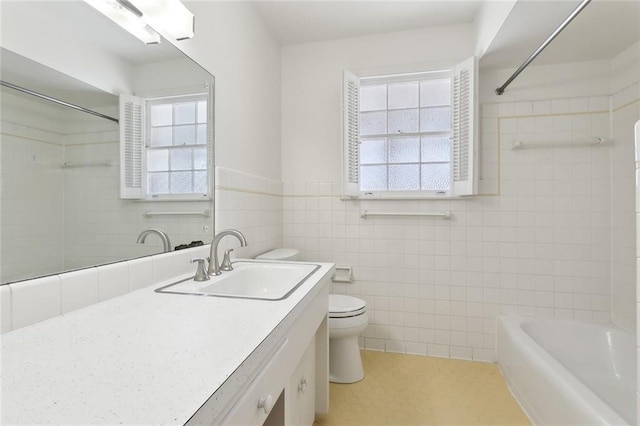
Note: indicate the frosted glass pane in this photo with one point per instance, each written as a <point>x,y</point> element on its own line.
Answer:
<point>161,115</point>
<point>200,182</point>
<point>403,95</point>
<point>158,183</point>
<point>200,158</point>
<point>404,149</point>
<point>436,119</point>
<point>181,182</point>
<point>435,92</point>
<point>373,123</point>
<point>404,177</point>
<point>161,136</point>
<point>436,177</point>
<point>374,178</point>
<point>185,113</point>
<point>373,151</point>
<point>184,135</point>
<point>403,121</point>
<point>201,134</point>
<point>202,111</point>
<point>373,98</point>
<point>181,159</point>
<point>436,149</point>
<point>158,160</point>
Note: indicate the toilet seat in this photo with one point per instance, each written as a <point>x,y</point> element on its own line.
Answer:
<point>341,306</point>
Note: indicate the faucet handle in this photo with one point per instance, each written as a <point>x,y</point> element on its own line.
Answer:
<point>226,261</point>
<point>201,272</point>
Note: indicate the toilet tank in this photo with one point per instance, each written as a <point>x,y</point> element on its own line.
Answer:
<point>280,254</point>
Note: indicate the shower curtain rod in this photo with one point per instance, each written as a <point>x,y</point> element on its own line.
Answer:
<point>54,100</point>
<point>500,90</point>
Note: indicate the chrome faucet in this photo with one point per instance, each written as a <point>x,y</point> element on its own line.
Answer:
<point>163,236</point>
<point>214,263</point>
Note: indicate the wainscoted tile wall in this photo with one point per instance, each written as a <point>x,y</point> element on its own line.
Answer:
<point>253,205</point>
<point>31,301</point>
<point>99,226</point>
<point>625,112</point>
<point>61,208</point>
<point>32,207</point>
<point>539,247</point>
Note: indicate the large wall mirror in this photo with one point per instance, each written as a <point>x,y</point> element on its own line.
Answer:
<point>61,204</point>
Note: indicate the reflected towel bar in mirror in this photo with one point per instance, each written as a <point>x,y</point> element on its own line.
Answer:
<point>205,213</point>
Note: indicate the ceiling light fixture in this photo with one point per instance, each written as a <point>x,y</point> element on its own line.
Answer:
<point>169,16</point>
<point>127,19</point>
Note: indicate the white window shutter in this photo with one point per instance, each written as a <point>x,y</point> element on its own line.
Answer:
<point>131,143</point>
<point>464,138</point>
<point>351,134</point>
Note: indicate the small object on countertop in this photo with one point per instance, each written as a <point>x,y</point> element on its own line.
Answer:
<point>190,245</point>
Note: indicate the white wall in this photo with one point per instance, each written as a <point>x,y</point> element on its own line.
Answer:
<point>312,86</point>
<point>35,31</point>
<point>233,44</point>
<point>542,247</point>
<point>625,108</point>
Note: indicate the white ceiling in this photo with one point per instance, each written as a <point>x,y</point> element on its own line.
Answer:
<point>304,21</point>
<point>602,30</point>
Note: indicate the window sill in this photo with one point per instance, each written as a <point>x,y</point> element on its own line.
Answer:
<point>174,199</point>
<point>404,196</point>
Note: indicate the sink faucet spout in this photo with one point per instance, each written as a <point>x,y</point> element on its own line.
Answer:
<point>214,263</point>
<point>166,243</point>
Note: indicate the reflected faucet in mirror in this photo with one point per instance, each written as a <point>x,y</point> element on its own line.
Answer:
<point>214,263</point>
<point>166,243</point>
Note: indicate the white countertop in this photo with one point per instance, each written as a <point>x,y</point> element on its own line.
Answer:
<point>144,357</point>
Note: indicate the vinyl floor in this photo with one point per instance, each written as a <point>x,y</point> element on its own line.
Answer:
<point>403,389</point>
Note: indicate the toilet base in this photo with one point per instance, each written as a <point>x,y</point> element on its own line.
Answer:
<point>345,363</point>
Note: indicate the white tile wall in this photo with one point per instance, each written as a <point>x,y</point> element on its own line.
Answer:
<point>539,248</point>
<point>55,218</point>
<point>35,300</point>
<point>625,112</point>
<point>79,289</point>
<point>113,280</point>
<point>5,308</point>
<point>27,302</point>
<point>102,228</point>
<point>251,204</point>
<point>32,208</point>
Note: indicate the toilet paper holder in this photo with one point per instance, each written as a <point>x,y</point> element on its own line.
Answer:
<point>343,274</point>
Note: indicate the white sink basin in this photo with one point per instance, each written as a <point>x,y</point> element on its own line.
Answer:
<point>249,280</point>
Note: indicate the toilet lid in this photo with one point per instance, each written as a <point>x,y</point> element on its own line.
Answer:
<point>341,306</point>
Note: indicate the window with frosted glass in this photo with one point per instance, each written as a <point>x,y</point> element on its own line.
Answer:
<point>176,146</point>
<point>405,130</point>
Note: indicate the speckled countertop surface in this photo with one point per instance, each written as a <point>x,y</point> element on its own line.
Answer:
<point>144,357</point>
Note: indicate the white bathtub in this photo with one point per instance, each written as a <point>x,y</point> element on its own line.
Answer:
<point>567,372</point>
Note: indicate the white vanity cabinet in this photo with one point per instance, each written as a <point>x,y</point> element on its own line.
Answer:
<point>291,384</point>
<point>215,361</point>
<point>300,393</point>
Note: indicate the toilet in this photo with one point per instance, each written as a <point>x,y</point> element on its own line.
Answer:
<point>347,319</point>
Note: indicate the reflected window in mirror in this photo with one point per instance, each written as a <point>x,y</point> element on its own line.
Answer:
<point>165,149</point>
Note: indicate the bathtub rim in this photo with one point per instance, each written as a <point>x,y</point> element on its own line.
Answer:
<point>584,401</point>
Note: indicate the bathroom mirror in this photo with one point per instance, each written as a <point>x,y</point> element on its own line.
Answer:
<point>60,205</point>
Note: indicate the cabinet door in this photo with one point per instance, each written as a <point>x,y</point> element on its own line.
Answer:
<point>262,396</point>
<point>300,392</point>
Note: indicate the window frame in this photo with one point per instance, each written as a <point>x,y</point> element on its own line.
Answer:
<point>464,150</point>
<point>418,78</point>
<point>191,196</point>
<point>134,133</point>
